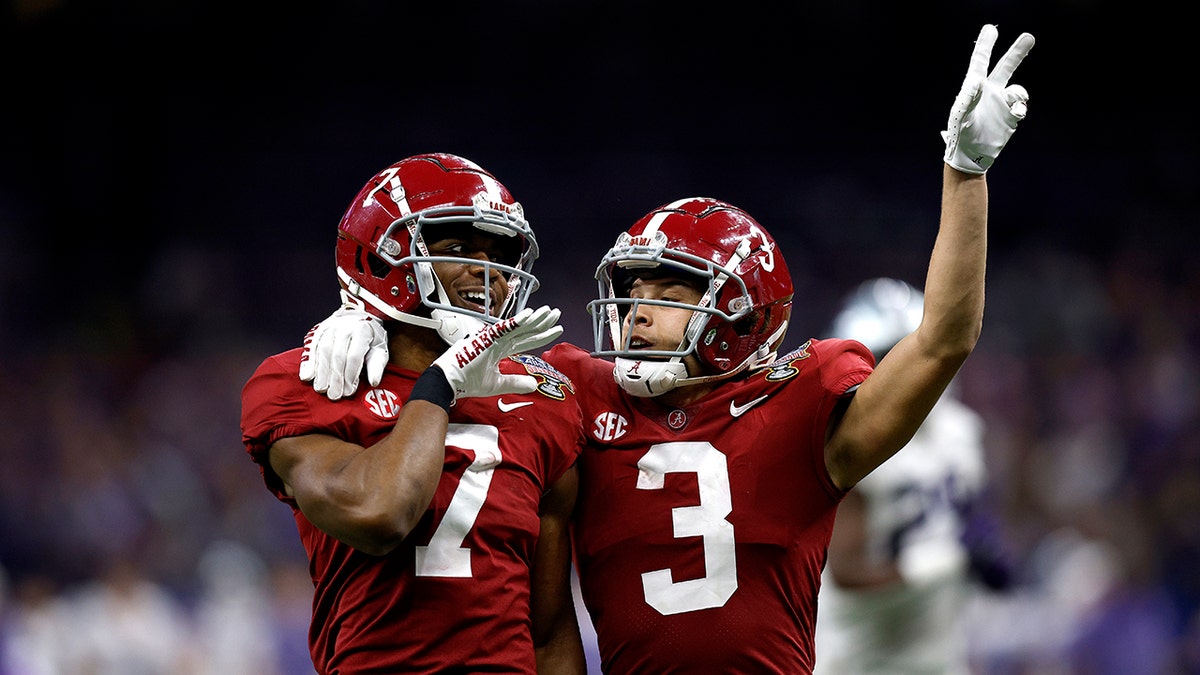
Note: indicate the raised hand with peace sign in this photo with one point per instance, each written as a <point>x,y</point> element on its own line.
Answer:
<point>987,109</point>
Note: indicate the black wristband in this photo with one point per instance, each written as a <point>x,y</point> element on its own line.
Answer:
<point>432,386</point>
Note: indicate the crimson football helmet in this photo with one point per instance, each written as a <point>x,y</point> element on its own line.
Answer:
<point>739,321</point>
<point>383,262</point>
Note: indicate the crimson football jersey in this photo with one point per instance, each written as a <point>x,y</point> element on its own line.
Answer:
<point>454,596</point>
<point>700,532</point>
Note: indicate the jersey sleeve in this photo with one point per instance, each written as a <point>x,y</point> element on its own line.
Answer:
<point>575,363</point>
<point>271,409</point>
<point>841,365</point>
<point>844,364</point>
<point>559,415</point>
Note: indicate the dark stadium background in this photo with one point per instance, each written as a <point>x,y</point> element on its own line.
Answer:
<point>172,175</point>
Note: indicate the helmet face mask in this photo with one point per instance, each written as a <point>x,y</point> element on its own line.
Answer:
<point>621,306</point>
<point>384,261</point>
<point>424,257</point>
<point>746,296</point>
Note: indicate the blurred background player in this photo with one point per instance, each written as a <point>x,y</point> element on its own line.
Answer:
<point>899,571</point>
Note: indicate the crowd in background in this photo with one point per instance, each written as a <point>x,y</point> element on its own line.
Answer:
<point>167,221</point>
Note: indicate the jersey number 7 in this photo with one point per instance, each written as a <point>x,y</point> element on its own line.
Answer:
<point>445,556</point>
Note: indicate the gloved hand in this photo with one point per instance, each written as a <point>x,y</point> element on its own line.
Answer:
<point>987,109</point>
<point>337,349</point>
<point>471,364</point>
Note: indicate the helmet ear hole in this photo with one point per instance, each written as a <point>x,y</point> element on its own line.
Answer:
<point>380,268</point>
<point>359,256</point>
<point>749,324</point>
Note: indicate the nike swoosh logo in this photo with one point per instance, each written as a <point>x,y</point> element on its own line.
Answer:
<point>738,410</point>
<point>509,407</point>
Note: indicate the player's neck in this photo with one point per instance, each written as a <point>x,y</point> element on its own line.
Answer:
<point>413,347</point>
<point>681,397</point>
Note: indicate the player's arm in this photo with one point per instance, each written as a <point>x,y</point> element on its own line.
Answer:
<point>893,401</point>
<point>369,498</point>
<point>556,636</point>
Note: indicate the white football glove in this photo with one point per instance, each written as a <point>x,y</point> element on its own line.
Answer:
<point>337,349</point>
<point>471,364</point>
<point>987,109</point>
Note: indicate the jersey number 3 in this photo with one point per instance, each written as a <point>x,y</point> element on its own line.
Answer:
<point>445,556</point>
<point>705,520</point>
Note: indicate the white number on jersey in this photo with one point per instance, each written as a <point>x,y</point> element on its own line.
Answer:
<point>445,555</point>
<point>706,520</point>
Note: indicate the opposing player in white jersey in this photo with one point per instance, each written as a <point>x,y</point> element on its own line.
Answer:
<point>894,586</point>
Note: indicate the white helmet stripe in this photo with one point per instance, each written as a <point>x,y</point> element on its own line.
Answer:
<point>493,188</point>
<point>658,218</point>
<point>399,196</point>
<point>395,189</point>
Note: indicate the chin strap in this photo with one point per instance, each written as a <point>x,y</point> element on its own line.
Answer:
<point>646,379</point>
<point>451,326</point>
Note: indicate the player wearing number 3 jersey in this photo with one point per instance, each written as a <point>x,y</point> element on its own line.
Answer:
<point>713,467</point>
<point>700,535</point>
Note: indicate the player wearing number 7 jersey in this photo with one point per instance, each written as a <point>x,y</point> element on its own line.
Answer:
<point>713,468</point>
<point>433,510</point>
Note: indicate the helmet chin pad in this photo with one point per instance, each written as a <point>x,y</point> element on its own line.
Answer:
<point>453,326</point>
<point>646,379</point>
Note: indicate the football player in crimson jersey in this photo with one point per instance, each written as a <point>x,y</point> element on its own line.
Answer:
<point>434,514</point>
<point>713,467</point>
